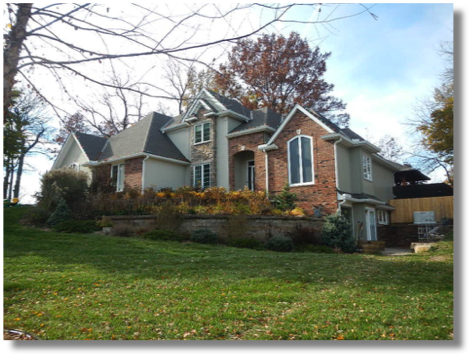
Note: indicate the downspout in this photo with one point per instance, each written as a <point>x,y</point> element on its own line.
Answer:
<point>337,173</point>
<point>266,173</point>
<point>143,172</point>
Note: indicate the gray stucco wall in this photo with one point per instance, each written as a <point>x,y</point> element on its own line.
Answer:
<point>344,168</point>
<point>356,170</point>
<point>367,185</point>
<point>240,168</point>
<point>182,140</point>
<point>222,154</point>
<point>160,174</point>
<point>385,180</point>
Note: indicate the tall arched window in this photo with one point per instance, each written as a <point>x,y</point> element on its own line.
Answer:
<point>300,160</point>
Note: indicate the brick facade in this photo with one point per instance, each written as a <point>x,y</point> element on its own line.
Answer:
<point>248,142</point>
<point>133,173</point>
<point>323,193</point>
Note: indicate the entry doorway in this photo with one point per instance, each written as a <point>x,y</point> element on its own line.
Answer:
<point>251,175</point>
<point>244,170</point>
<point>371,222</point>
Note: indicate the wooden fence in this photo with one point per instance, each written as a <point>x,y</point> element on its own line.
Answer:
<point>443,207</point>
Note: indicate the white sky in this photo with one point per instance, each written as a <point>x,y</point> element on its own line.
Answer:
<point>379,67</point>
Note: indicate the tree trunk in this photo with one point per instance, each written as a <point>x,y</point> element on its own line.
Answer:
<point>19,172</point>
<point>12,51</point>
<point>6,179</point>
<point>10,189</point>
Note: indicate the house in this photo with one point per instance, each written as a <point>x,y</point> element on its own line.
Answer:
<point>220,142</point>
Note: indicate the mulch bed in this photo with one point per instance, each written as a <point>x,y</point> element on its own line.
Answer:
<point>17,335</point>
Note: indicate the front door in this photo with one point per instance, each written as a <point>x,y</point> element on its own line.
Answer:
<point>251,175</point>
<point>371,224</point>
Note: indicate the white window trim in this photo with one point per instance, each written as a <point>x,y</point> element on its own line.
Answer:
<point>385,217</point>
<point>117,189</point>
<point>248,168</point>
<point>201,125</point>
<point>301,161</point>
<point>75,166</point>
<point>367,210</point>
<point>368,175</point>
<point>202,175</point>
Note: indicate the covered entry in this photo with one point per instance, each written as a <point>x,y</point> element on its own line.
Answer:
<point>244,170</point>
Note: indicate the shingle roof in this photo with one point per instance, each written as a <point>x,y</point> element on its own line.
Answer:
<point>231,104</point>
<point>145,136</point>
<point>91,144</point>
<point>260,117</point>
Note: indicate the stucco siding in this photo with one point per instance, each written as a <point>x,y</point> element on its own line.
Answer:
<point>356,170</point>
<point>74,155</point>
<point>159,174</point>
<point>344,169</point>
<point>182,140</point>
<point>367,185</point>
<point>384,181</point>
<point>222,154</point>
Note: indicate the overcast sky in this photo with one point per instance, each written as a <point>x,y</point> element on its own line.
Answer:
<point>379,67</point>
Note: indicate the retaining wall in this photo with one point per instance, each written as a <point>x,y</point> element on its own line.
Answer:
<point>259,227</point>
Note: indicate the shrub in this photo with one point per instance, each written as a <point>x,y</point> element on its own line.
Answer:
<point>163,235</point>
<point>124,230</point>
<point>304,235</point>
<point>168,217</point>
<point>37,216</point>
<point>77,226</point>
<point>286,199</point>
<point>62,213</point>
<point>105,222</point>
<point>248,243</point>
<point>204,236</point>
<point>65,183</point>
<point>337,234</point>
<point>280,244</point>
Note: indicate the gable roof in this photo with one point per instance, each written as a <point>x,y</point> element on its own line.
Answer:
<point>91,144</point>
<point>260,117</point>
<point>231,104</point>
<point>144,136</point>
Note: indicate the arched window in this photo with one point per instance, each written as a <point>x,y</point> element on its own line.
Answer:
<point>300,160</point>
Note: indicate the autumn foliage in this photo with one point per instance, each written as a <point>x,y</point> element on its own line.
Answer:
<point>278,72</point>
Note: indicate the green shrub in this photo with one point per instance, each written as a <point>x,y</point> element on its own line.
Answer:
<point>286,199</point>
<point>77,226</point>
<point>163,235</point>
<point>248,243</point>
<point>37,216</point>
<point>280,244</point>
<point>65,183</point>
<point>337,234</point>
<point>204,236</point>
<point>168,217</point>
<point>62,213</point>
<point>304,236</point>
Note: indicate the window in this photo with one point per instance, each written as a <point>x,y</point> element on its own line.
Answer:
<point>300,160</point>
<point>383,217</point>
<point>367,167</point>
<point>202,176</point>
<point>202,133</point>
<point>74,166</point>
<point>118,176</point>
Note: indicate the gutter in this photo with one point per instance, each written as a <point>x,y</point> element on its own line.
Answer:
<point>157,157</point>
<point>335,163</point>
<point>265,128</point>
<point>143,172</point>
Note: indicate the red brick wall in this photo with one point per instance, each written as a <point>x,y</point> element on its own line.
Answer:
<point>251,142</point>
<point>323,193</point>
<point>133,173</point>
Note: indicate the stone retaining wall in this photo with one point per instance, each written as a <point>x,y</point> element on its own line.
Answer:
<point>402,235</point>
<point>259,227</point>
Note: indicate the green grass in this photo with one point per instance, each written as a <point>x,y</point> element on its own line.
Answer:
<point>72,286</point>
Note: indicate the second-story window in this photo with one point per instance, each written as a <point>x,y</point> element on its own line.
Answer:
<point>367,167</point>
<point>202,133</point>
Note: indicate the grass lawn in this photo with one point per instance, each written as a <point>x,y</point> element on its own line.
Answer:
<point>67,286</point>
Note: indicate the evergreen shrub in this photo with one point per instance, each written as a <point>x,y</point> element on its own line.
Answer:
<point>280,244</point>
<point>163,235</point>
<point>62,213</point>
<point>337,234</point>
<point>204,236</point>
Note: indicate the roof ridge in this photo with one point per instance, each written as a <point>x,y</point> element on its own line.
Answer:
<point>148,131</point>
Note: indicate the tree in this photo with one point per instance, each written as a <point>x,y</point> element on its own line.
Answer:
<point>439,134</point>
<point>433,119</point>
<point>73,123</point>
<point>279,72</point>
<point>68,41</point>
<point>25,129</point>
<point>390,148</point>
